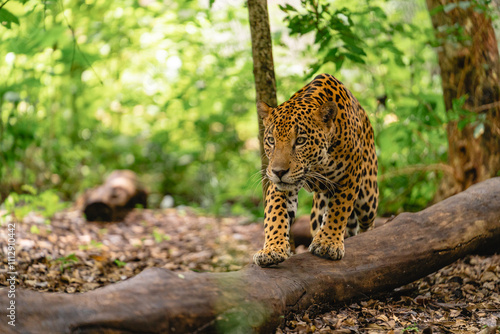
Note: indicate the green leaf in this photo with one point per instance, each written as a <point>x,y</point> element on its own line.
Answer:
<point>436,10</point>
<point>29,189</point>
<point>399,27</point>
<point>287,8</point>
<point>355,49</point>
<point>7,18</point>
<point>462,123</point>
<point>34,229</point>
<point>119,263</point>
<point>332,54</point>
<point>355,58</point>
<point>378,12</point>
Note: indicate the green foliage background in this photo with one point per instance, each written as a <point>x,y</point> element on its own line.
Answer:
<point>166,89</point>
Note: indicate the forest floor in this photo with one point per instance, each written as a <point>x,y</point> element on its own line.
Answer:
<point>71,255</point>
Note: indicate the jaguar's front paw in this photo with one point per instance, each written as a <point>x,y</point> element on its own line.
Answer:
<point>271,255</point>
<point>327,248</point>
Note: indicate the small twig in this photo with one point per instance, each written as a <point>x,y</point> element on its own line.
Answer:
<point>1,6</point>
<point>487,106</point>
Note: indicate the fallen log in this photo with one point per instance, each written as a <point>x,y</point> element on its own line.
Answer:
<point>120,193</point>
<point>301,232</point>
<point>409,247</point>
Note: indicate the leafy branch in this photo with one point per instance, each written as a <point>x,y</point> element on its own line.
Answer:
<point>77,46</point>
<point>6,17</point>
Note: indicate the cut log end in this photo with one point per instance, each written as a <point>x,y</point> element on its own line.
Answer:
<point>98,211</point>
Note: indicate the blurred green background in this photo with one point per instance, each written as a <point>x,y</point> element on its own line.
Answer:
<point>165,88</point>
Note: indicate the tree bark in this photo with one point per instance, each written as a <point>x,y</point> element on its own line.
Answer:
<point>301,230</point>
<point>120,193</point>
<point>263,66</point>
<point>470,66</point>
<point>255,299</point>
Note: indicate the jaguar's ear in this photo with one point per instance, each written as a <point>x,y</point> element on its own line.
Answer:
<point>264,111</point>
<point>328,112</point>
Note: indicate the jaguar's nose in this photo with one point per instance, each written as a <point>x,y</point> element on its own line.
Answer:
<point>280,172</point>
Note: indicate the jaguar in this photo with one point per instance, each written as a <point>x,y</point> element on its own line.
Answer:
<point>320,139</point>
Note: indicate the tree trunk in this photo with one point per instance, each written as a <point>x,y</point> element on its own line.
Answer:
<point>120,193</point>
<point>256,299</point>
<point>263,66</point>
<point>469,62</point>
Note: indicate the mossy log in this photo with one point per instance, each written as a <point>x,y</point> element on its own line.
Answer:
<point>254,299</point>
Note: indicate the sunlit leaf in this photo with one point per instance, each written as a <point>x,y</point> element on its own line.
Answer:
<point>7,18</point>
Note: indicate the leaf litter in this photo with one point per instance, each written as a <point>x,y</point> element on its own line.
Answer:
<point>71,255</point>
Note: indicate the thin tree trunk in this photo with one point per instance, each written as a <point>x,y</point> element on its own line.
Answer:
<point>469,62</point>
<point>263,65</point>
<point>256,299</point>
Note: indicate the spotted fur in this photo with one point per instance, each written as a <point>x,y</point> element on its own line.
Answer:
<point>320,139</point>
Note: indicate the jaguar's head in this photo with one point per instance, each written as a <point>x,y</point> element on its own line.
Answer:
<point>297,136</point>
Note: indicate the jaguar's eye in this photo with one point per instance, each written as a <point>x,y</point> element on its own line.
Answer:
<point>270,140</point>
<point>300,141</point>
